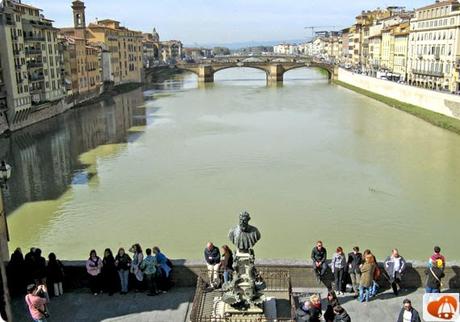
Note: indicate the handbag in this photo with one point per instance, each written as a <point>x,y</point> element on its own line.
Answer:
<point>437,278</point>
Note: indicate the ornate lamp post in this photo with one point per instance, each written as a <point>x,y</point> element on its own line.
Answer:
<point>5,174</point>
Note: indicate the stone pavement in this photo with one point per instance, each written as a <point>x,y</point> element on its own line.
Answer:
<point>176,305</point>
<point>81,306</point>
<point>385,307</point>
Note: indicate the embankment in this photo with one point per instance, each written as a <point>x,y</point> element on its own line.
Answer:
<point>301,273</point>
<point>438,108</point>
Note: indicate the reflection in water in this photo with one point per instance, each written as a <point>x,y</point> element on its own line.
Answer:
<point>46,157</point>
<point>173,165</point>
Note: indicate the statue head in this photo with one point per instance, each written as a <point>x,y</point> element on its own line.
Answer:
<point>244,220</point>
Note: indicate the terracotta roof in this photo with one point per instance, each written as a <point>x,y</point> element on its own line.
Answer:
<point>107,20</point>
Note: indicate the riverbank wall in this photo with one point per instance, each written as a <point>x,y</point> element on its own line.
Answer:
<point>439,108</point>
<point>186,273</point>
<point>52,109</point>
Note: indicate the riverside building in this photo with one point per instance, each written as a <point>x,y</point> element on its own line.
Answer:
<point>30,56</point>
<point>121,46</point>
<point>434,48</point>
<point>81,63</point>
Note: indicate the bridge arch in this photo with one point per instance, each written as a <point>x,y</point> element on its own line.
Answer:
<point>265,70</point>
<point>326,69</point>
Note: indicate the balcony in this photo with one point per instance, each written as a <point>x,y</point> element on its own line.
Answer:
<point>17,66</point>
<point>34,38</point>
<point>36,78</point>
<point>16,52</point>
<point>35,64</point>
<point>427,73</point>
<point>33,51</point>
<point>35,90</point>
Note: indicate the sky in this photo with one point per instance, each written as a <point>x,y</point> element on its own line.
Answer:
<point>200,22</point>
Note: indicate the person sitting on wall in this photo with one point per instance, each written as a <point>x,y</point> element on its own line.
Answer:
<point>212,258</point>
<point>319,256</point>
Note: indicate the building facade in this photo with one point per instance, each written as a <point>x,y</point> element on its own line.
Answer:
<point>31,59</point>
<point>151,48</point>
<point>434,47</point>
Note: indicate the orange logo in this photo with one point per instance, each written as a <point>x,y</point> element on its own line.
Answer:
<point>445,307</point>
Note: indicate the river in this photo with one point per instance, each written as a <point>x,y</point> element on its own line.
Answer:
<point>174,165</point>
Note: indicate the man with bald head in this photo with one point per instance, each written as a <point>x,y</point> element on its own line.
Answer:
<point>212,258</point>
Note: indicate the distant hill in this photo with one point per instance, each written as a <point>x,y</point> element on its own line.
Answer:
<point>244,44</point>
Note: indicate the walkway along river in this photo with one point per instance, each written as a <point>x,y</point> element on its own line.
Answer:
<point>172,166</point>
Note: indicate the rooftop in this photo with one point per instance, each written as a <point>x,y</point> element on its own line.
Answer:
<point>441,3</point>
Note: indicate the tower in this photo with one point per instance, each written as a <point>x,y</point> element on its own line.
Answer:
<point>156,36</point>
<point>79,21</point>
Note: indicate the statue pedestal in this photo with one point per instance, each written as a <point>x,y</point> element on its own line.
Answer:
<point>253,309</point>
<point>276,304</point>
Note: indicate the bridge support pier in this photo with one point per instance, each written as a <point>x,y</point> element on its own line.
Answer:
<point>275,74</point>
<point>206,74</point>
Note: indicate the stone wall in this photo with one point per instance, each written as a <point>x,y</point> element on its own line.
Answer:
<point>49,110</point>
<point>186,273</point>
<point>440,102</point>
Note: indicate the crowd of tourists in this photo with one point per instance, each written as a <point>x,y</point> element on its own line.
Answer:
<point>40,279</point>
<point>354,272</point>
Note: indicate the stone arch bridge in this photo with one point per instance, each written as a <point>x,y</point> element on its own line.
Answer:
<point>274,70</point>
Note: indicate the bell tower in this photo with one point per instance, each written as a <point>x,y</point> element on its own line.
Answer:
<point>79,21</point>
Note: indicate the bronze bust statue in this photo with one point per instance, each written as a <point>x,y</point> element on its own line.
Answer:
<point>244,236</point>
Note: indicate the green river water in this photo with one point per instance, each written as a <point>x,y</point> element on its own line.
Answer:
<point>174,165</point>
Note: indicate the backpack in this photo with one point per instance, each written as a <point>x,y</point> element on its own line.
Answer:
<point>377,273</point>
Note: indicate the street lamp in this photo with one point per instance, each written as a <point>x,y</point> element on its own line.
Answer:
<point>5,174</point>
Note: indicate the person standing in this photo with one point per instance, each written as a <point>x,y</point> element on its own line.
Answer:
<point>109,272</point>
<point>30,266</point>
<point>165,269</point>
<point>377,273</point>
<point>332,302</point>
<point>16,273</point>
<point>123,263</point>
<point>408,313</point>
<point>40,271</point>
<point>55,274</point>
<point>136,263</point>
<point>395,266</point>
<point>36,300</point>
<point>367,276</point>
<point>212,258</point>
<point>338,267</point>
<point>319,256</point>
<point>355,259</point>
<point>149,267</point>
<point>93,267</point>
<point>227,263</point>
<point>437,256</point>
<point>434,274</point>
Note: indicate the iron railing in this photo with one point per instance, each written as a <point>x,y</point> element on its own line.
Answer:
<point>275,280</point>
